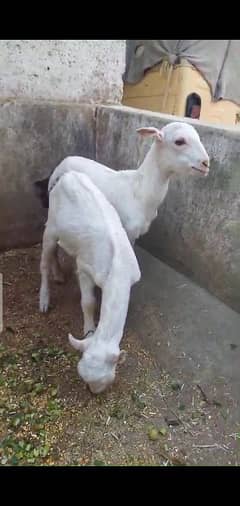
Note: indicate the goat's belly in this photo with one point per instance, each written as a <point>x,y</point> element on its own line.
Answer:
<point>138,230</point>
<point>97,275</point>
<point>144,229</point>
<point>96,267</point>
<point>145,225</point>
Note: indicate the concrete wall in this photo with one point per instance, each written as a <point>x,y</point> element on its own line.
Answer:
<point>198,226</point>
<point>42,83</point>
<point>34,138</point>
<point>73,70</point>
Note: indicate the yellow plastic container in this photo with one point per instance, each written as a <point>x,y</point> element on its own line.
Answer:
<point>165,88</point>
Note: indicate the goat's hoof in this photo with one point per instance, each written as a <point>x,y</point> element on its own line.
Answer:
<point>43,306</point>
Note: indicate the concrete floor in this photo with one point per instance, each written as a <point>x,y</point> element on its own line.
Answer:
<point>190,333</point>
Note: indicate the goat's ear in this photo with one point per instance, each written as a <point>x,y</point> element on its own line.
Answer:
<point>119,358</point>
<point>122,356</point>
<point>79,344</point>
<point>151,132</point>
<point>113,358</point>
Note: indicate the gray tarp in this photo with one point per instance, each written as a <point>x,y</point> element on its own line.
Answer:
<point>217,60</point>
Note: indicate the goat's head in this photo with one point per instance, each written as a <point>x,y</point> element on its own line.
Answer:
<point>97,366</point>
<point>179,148</point>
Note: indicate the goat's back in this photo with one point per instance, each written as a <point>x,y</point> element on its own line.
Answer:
<point>82,165</point>
<point>86,223</point>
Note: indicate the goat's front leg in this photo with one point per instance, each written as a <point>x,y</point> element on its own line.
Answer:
<point>87,301</point>
<point>47,257</point>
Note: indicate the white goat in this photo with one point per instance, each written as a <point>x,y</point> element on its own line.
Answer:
<point>87,227</point>
<point>137,194</point>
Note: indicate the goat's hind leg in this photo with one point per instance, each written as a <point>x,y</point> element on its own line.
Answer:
<point>47,260</point>
<point>56,268</point>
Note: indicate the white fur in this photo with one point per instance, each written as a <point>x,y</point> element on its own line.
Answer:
<point>87,227</point>
<point>137,194</point>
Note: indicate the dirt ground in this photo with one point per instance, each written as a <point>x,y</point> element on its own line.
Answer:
<point>48,416</point>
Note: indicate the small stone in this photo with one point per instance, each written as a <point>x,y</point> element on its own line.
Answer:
<point>153,434</point>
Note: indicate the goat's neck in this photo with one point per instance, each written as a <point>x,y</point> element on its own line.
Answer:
<point>114,308</point>
<point>154,174</point>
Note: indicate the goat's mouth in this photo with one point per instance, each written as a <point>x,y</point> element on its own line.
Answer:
<point>96,391</point>
<point>205,172</point>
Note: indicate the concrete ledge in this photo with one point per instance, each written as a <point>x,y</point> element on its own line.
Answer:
<point>197,230</point>
<point>34,138</point>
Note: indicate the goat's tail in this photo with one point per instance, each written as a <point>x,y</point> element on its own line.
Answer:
<point>41,191</point>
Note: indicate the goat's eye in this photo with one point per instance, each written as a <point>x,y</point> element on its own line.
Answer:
<point>180,142</point>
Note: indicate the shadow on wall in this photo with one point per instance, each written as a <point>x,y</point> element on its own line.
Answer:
<point>34,138</point>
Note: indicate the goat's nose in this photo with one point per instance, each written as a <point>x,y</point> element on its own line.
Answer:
<point>205,167</point>
<point>206,163</point>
